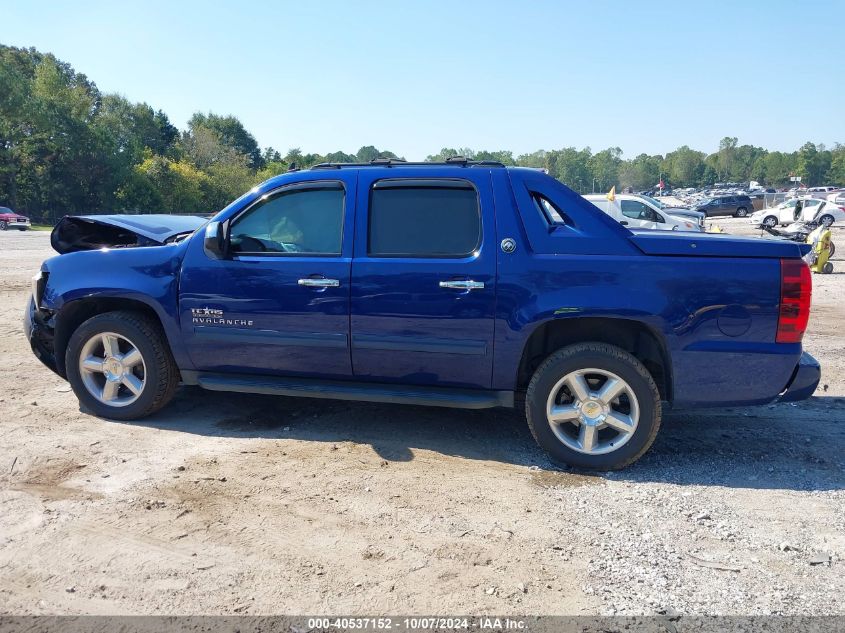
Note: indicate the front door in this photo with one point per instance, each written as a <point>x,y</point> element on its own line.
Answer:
<point>423,279</point>
<point>279,304</point>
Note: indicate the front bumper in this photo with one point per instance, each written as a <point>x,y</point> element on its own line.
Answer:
<point>804,380</point>
<point>39,332</point>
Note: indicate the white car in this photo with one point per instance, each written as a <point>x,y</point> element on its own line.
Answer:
<point>636,213</point>
<point>810,209</point>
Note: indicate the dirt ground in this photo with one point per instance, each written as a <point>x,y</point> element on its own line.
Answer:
<point>227,504</point>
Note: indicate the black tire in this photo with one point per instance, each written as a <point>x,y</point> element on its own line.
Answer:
<point>828,268</point>
<point>161,378</point>
<point>3,225</point>
<point>832,249</point>
<point>770,221</point>
<point>741,212</point>
<point>826,220</point>
<point>598,356</point>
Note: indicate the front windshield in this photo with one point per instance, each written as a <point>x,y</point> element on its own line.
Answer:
<point>656,203</point>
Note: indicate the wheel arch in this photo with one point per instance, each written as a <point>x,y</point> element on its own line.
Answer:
<point>636,337</point>
<point>75,313</point>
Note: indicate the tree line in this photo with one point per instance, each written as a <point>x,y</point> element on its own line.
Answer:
<point>67,148</point>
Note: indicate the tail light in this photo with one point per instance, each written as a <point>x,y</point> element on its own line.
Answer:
<point>796,288</point>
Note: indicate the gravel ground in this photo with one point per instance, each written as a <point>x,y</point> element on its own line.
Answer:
<point>226,504</point>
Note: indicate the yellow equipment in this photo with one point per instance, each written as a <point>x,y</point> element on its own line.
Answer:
<point>818,257</point>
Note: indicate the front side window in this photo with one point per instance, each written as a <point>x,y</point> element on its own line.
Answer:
<point>303,220</point>
<point>423,218</point>
<point>636,210</point>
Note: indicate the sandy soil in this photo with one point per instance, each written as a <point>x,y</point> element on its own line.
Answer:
<point>246,504</point>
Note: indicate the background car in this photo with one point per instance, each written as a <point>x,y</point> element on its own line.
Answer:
<point>684,213</point>
<point>812,209</point>
<point>11,220</point>
<point>635,212</point>
<point>737,206</point>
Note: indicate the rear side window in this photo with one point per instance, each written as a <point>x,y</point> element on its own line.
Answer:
<point>423,218</point>
<point>549,211</point>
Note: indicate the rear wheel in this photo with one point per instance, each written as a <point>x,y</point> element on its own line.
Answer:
<point>832,249</point>
<point>593,406</point>
<point>3,225</point>
<point>828,268</point>
<point>741,212</point>
<point>120,366</point>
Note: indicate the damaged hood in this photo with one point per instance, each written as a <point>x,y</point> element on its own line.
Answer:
<point>91,232</point>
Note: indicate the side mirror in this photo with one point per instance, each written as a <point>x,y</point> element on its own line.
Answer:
<point>214,242</point>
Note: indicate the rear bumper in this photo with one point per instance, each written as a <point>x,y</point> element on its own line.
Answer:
<point>804,380</point>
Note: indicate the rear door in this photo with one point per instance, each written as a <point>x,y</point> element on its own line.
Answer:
<point>424,278</point>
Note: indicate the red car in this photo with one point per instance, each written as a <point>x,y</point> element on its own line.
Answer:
<point>11,220</point>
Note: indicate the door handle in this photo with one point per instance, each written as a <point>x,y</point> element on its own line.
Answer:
<point>319,283</point>
<point>462,284</point>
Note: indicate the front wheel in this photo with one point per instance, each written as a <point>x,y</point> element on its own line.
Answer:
<point>120,367</point>
<point>770,221</point>
<point>593,406</point>
<point>3,225</point>
<point>741,212</point>
<point>826,220</point>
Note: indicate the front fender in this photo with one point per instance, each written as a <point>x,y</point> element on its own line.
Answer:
<point>146,275</point>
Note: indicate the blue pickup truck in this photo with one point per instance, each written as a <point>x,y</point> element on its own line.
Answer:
<point>459,284</point>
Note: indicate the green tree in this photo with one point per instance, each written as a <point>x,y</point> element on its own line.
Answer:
<point>726,157</point>
<point>836,172</point>
<point>684,167</point>
<point>604,167</point>
<point>534,159</point>
<point>230,133</point>
<point>813,164</point>
<point>642,172</point>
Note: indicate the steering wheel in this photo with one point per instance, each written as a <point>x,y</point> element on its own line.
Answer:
<point>249,244</point>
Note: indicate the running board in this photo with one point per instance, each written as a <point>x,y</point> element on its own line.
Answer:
<point>363,391</point>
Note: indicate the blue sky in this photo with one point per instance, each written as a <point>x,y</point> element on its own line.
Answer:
<point>417,76</point>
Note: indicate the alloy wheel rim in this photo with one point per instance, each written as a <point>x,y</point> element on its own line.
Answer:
<point>112,369</point>
<point>593,411</point>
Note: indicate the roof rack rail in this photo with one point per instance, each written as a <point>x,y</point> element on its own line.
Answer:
<point>399,162</point>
